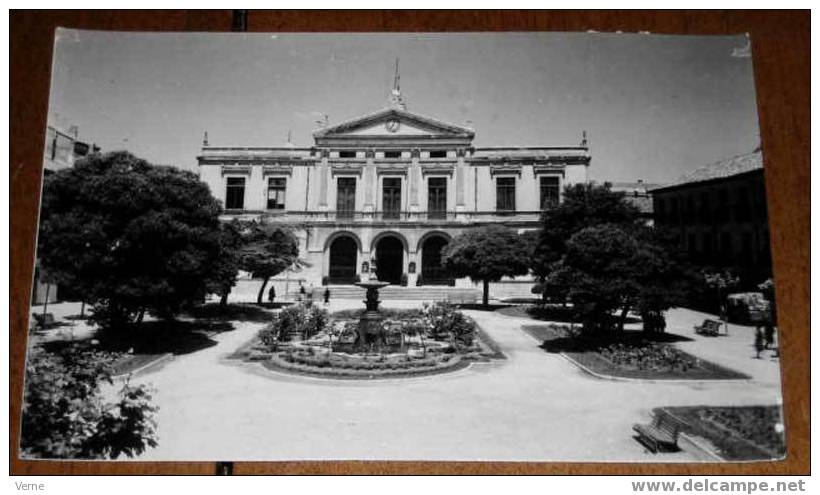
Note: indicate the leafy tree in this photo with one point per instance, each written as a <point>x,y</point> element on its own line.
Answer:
<point>226,269</point>
<point>66,417</point>
<point>609,268</point>
<point>486,254</point>
<point>129,236</point>
<point>583,205</point>
<point>267,251</point>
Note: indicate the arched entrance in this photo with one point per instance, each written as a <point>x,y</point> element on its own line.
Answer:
<point>343,258</point>
<point>389,259</point>
<point>432,273</point>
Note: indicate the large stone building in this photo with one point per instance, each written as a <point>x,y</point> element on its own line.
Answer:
<point>388,190</point>
<point>718,213</point>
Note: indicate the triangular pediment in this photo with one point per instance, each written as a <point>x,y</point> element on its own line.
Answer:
<point>394,122</point>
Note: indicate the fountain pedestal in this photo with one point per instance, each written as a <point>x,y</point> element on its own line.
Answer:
<point>370,332</point>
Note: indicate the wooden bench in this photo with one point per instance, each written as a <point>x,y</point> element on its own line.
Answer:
<point>661,435</point>
<point>709,328</point>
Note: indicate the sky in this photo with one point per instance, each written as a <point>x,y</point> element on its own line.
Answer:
<point>654,106</point>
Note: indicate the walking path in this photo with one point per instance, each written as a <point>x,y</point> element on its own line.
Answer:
<point>534,406</point>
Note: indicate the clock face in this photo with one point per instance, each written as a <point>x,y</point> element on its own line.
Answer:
<point>392,125</point>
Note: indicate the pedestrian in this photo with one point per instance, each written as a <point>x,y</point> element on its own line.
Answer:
<point>327,296</point>
<point>301,291</point>
<point>758,341</point>
<point>271,294</point>
<point>769,335</point>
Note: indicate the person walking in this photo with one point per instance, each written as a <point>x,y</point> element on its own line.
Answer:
<point>301,291</point>
<point>758,341</point>
<point>271,294</point>
<point>327,296</point>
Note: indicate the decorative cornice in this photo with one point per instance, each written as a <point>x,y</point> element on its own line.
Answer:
<point>391,170</point>
<point>236,170</point>
<point>505,169</point>
<point>338,169</point>
<point>541,169</point>
<point>277,170</point>
<point>438,169</point>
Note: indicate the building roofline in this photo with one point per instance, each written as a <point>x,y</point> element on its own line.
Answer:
<point>683,185</point>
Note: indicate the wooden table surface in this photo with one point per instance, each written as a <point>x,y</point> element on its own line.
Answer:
<point>781,55</point>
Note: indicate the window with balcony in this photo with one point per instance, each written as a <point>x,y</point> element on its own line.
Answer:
<point>391,197</point>
<point>505,194</point>
<point>345,197</point>
<point>392,154</point>
<point>235,193</point>
<point>437,197</point>
<point>347,154</point>
<point>438,154</point>
<point>276,193</point>
<point>550,192</point>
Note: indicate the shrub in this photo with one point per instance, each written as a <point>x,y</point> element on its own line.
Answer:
<point>446,323</point>
<point>66,417</point>
<point>269,336</point>
<point>653,357</point>
<point>305,320</point>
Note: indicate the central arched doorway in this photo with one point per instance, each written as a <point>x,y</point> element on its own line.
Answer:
<point>343,251</point>
<point>432,273</point>
<point>389,259</point>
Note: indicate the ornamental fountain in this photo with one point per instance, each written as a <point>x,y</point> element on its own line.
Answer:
<point>370,330</point>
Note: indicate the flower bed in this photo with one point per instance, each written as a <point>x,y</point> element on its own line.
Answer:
<point>435,339</point>
<point>739,433</point>
<point>632,356</point>
<point>335,365</point>
<point>648,356</point>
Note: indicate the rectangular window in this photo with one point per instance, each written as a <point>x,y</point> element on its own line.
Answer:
<point>276,193</point>
<point>723,206</point>
<point>437,197</point>
<point>549,192</point>
<point>392,154</point>
<point>707,244</point>
<point>391,197</point>
<point>345,197</point>
<point>235,193</point>
<point>438,154</point>
<point>347,154</point>
<point>505,194</point>
<point>660,211</point>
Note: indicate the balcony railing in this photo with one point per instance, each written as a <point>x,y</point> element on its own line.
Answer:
<point>358,216</point>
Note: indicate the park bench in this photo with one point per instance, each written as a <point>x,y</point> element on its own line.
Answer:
<point>44,320</point>
<point>661,435</point>
<point>710,328</point>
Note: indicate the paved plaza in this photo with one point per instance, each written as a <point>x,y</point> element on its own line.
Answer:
<point>533,406</point>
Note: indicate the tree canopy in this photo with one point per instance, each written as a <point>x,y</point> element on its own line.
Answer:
<point>486,254</point>
<point>583,205</point>
<point>266,251</point>
<point>129,236</point>
<point>608,268</point>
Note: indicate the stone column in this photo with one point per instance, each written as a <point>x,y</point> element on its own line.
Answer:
<point>369,179</point>
<point>414,178</point>
<point>460,173</point>
<point>323,181</point>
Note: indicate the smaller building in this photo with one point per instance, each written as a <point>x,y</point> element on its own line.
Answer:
<point>638,194</point>
<point>62,149</point>
<point>719,217</point>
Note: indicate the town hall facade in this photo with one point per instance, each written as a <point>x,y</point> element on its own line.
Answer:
<point>384,193</point>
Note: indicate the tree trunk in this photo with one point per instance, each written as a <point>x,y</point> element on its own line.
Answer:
<point>262,290</point>
<point>486,297</point>
<point>223,301</point>
<point>622,319</point>
<point>140,315</point>
<point>82,309</point>
<point>45,303</point>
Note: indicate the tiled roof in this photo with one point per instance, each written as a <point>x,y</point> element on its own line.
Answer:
<point>721,170</point>
<point>642,202</point>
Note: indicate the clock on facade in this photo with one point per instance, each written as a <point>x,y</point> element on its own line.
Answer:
<point>392,125</point>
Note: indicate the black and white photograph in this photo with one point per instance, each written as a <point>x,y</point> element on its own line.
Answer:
<point>403,246</point>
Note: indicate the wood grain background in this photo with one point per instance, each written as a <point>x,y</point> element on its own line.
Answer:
<point>781,51</point>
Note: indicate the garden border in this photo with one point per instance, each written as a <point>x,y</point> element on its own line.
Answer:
<point>652,380</point>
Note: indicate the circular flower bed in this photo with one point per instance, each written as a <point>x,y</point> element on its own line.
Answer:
<point>339,365</point>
